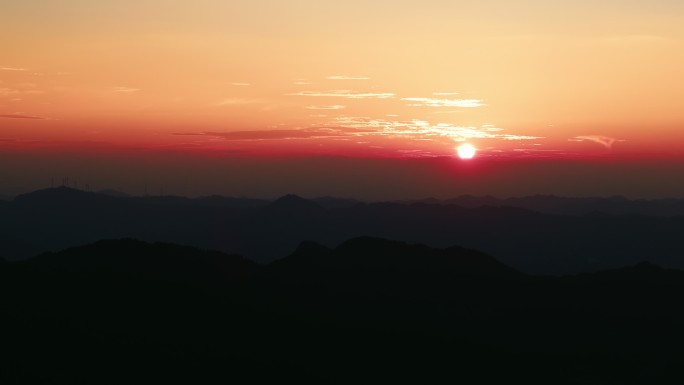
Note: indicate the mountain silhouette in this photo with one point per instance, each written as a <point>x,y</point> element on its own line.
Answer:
<point>550,204</point>
<point>368,253</point>
<point>295,205</point>
<point>62,196</point>
<point>129,256</point>
<point>527,240</point>
<point>114,193</point>
<point>369,310</point>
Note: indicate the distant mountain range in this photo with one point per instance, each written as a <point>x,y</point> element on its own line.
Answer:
<point>367,311</point>
<point>550,204</point>
<point>600,233</point>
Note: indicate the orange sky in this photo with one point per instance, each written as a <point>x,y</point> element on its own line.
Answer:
<point>189,86</point>
<point>386,78</point>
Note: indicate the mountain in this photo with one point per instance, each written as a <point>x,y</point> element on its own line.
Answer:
<point>368,311</point>
<point>525,239</point>
<point>335,203</point>
<point>376,254</point>
<point>62,196</point>
<point>113,193</point>
<point>128,256</point>
<point>550,204</point>
<point>295,205</point>
<point>17,248</point>
<point>227,202</point>
<point>378,267</point>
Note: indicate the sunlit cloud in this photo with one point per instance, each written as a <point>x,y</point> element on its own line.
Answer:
<point>369,132</point>
<point>342,77</point>
<point>434,102</point>
<point>605,141</point>
<point>12,69</point>
<point>345,94</point>
<point>421,129</point>
<point>21,116</point>
<point>241,84</point>
<point>126,90</point>
<point>333,107</point>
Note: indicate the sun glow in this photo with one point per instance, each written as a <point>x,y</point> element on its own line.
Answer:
<point>466,151</point>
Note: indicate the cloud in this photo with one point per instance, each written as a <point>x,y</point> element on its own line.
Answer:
<point>605,141</point>
<point>343,77</point>
<point>238,102</point>
<point>239,84</point>
<point>366,130</point>
<point>21,116</point>
<point>12,69</point>
<point>635,39</point>
<point>334,107</point>
<point>433,102</point>
<point>344,94</point>
<point>4,91</point>
<point>421,129</point>
<point>284,134</point>
<point>126,89</point>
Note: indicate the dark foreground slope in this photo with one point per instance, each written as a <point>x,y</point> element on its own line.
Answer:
<point>367,311</point>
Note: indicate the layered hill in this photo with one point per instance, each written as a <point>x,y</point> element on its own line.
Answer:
<point>369,310</point>
<point>529,240</point>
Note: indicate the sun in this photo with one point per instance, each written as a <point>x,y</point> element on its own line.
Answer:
<point>466,151</point>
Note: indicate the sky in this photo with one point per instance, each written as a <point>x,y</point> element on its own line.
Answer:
<point>547,91</point>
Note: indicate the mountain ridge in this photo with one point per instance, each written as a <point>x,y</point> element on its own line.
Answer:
<point>528,240</point>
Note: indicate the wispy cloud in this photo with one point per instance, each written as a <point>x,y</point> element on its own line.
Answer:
<point>343,77</point>
<point>21,116</point>
<point>369,132</point>
<point>241,84</point>
<point>126,90</point>
<point>435,102</point>
<point>345,94</point>
<point>635,39</point>
<point>12,69</point>
<point>4,91</point>
<point>605,141</point>
<point>284,134</point>
<point>334,107</point>
<point>421,129</point>
<point>238,102</point>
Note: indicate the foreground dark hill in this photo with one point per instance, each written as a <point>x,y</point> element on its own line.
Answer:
<point>531,241</point>
<point>368,311</point>
<point>374,266</point>
<point>161,261</point>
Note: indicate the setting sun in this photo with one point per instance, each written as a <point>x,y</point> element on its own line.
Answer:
<point>466,151</point>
